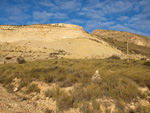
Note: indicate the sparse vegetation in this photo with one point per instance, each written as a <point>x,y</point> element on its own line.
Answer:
<point>58,52</point>
<point>33,88</point>
<point>9,88</point>
<point>133,48</point>
<point>141,109</point>
<point>48,111</point>
<point>64,101</point>
<point>147,63</point>
<point>120,80</point>
<point>120,88</point>
<point>114,57</point>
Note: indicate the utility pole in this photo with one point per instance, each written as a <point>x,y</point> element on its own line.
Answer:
<point>127,38</point>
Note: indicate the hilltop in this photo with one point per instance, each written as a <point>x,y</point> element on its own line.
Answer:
<point>51,41</point>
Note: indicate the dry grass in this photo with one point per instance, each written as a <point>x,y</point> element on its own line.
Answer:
<point>133,48</point>
<point>120,79</point>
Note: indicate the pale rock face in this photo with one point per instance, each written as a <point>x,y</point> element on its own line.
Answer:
<point>38,41</point>
<point>49,32</point>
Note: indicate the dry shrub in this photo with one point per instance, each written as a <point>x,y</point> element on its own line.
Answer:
<point>33,88</point>
<point>119,87</point>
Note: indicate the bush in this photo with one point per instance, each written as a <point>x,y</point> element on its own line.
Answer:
<point>48,111</point>
<point>141,109</point>
<point>9,88</point>
<point>21,60</point>
<point>147,63</point>
<point>92,91</point>
<point>5,80</point>
<point>53,93</point>
<point>64,101</point>
<point>70,80</point>
<point>47,78</point>
<point>114,57</point>
<point>24,83</point>
<point>143,59</point>
<point>85,108</point>
<point>33,88</point>
<point>50,93</point>
<point>78,93</point>
<point>96,105</point>
<point>120,88</point>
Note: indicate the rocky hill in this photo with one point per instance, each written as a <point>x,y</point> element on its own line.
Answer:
<point>137,44</point>
<point>51,41</point>
<point>123,37</point>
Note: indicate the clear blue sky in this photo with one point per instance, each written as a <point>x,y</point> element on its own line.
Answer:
<point>123,15</point>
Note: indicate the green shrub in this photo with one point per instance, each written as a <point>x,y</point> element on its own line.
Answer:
<point>64,101</point>
<point>119,87</point>
<point>78,93</point>
<point>147,63</point>
<point>143,59</point>
<point>48,111</point>
<point>33,88</point>
<point>96,105</point>
<point>85,108</point>
<point>92,91</point>
<point>47,78</point>
<point>21,60</point>
<point>114,57</point>
<point>9,88</point>
<point>141,109</point>
<point>24,82</point>
<point>50,93</point>
<point>53,93</point>
<point>70,80</point>
<point>5,80</point>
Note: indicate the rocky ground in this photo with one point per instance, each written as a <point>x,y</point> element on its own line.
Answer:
<point>9,103</point>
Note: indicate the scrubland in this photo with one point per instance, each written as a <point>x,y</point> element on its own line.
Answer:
<point>120,82</point>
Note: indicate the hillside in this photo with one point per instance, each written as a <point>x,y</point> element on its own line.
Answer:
<point>60,68</point>
<point>70,86</point>
<point>123,37</point>
<point>51,41</point>
<point>139,45</point>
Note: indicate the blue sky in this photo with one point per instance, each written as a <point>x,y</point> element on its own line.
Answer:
<point>123,15</point>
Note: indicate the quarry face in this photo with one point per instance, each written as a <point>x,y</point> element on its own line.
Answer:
<point>50,41</point>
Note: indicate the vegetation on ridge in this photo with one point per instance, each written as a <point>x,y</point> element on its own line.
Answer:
<point>133,48</point>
